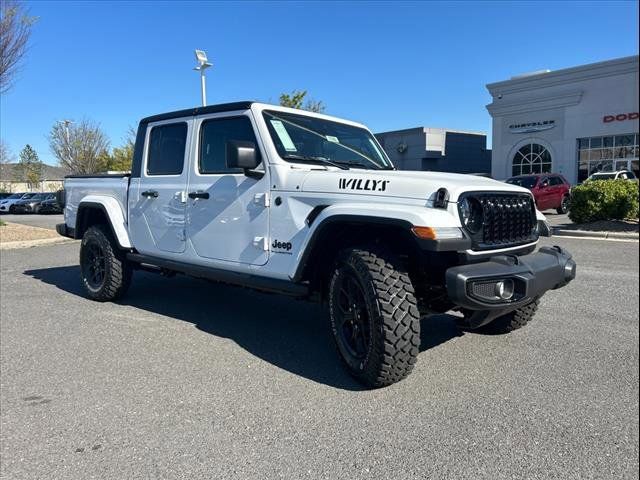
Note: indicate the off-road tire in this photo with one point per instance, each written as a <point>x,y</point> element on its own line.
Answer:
<point>564,205</point>
<point>512,321</point>
<point>117,270</point>
<point>392,314</point>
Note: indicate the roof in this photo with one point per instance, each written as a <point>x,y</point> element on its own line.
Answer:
<point>190,112</point>
<point>617,66</point>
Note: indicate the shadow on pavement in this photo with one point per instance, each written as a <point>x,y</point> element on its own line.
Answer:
<point>290,334</point>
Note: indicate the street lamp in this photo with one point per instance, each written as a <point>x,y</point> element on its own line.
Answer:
<point>203,64</point>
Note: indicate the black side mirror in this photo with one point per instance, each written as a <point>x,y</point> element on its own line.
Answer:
<point>243,155</point>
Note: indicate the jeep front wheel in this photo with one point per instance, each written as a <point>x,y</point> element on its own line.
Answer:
<point>105,272</point>
<point>374,316</point>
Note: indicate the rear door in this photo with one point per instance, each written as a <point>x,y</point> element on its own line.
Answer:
<point>157,201</point>
<point>227,211</point>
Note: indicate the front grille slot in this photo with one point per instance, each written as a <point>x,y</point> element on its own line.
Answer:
<point>509,220</point>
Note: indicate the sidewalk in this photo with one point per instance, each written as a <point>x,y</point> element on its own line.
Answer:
<point>606,229</point>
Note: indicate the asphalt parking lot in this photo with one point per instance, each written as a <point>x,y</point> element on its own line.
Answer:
<point>187,379</point>
<point>42,221</point>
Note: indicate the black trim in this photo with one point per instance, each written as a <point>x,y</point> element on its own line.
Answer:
<point>192,112</point>
<point>65,231</point>
<point>99,175</point>
<point>80,229</point>
<point>313,214</point>
<point>444,244</point>
<point>224,276</point>
<point>136,166</point>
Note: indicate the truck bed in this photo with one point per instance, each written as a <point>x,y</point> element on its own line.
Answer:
<point>81,187</point>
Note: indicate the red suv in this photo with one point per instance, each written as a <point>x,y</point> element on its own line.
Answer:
<point>550,190</point>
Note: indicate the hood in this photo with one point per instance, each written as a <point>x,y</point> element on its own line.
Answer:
<point>401,184</point>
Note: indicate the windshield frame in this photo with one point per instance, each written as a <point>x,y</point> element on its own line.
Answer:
<point>278,112</point>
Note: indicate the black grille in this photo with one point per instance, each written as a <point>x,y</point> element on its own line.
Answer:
<point>509,220</point>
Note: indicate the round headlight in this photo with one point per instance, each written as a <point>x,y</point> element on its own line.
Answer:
<point>471,215</point>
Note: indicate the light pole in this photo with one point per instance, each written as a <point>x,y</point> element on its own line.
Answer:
<point>203,64</point>
<point>66,138</point>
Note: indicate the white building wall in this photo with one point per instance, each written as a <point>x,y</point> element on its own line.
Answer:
<point>576,99</point>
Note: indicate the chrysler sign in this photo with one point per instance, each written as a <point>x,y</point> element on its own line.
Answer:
<point>532,126</point>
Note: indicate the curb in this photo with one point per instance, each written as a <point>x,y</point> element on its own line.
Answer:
<point>631,236</point>
<point>35,243</point>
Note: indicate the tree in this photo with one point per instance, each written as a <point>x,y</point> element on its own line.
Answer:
<point>29,167</point>
<point>15,29</point>
<point>296,100</point>
<point>6,157</point>
<point>121,158</point>
<point>79,147</point>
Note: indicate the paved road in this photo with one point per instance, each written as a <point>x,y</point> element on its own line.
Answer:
<point>186,379</point>
<point>42,221</point>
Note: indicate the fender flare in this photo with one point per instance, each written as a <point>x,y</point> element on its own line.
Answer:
<point>114,214</point>
<point>388,215</point>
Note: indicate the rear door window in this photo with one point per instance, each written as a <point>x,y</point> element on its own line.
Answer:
<point>166,149</point>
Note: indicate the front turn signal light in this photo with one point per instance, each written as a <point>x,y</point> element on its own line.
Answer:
<point>441,233</point>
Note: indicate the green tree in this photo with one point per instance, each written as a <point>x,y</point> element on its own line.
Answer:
<point>296,99</point>
<point>29,168</point>
<point>121,158</point>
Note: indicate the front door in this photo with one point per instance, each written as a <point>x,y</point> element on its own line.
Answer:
<point>157,201</point>
<point>227,211</point>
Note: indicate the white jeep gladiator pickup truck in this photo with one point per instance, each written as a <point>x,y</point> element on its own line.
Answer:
<point>310,206</point>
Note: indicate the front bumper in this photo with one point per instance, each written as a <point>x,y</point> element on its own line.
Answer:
<point>506,282</point>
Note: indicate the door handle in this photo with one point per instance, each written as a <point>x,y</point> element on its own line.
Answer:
<point>203,195</point>
<point>150,194</point>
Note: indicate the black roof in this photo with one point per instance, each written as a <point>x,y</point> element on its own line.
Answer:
<point>190,112</point>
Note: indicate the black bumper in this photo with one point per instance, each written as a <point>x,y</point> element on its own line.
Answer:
<point>506,282</point>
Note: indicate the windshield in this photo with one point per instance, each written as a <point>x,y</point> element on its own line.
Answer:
<point>15,196</point>
<point>603,176</point>
<point>526,182</point>
<point>28,195</point>
<point>315,140</point>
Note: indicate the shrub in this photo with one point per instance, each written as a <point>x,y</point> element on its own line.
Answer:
<point>604,200</point>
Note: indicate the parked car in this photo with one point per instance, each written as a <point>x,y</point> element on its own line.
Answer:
<point>50,206</point>
<point>619,175</point>
<point>308,205</point>
<point>7,203</point>
<point>550,190</point>
<point>31,204</point>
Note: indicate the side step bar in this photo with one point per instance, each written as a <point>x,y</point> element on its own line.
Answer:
<point>224,276</point>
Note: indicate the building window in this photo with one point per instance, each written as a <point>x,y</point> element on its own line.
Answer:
<point>531,158</point>
<point>607,154</point>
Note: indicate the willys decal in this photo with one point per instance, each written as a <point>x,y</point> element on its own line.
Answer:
<point>362,184</point>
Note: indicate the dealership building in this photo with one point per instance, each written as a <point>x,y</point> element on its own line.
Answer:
<point>437,149</point>
<point>574,121</point>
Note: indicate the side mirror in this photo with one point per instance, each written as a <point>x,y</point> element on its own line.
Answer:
<point>243,155</point>
<point>544,184</point>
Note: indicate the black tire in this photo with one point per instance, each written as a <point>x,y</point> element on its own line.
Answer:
<point>512,321</point>
<point>12,209</point>
<point>99,252</point>
<point>387,314</point>
<point>564,205</point>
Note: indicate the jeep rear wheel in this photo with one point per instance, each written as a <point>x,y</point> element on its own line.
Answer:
<point>105,272</point>
<point>374,316</point>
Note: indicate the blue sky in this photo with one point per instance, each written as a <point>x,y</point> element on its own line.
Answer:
<point>388,65</point>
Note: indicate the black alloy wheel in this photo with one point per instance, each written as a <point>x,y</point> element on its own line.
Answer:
<point>94,265</point>
<point>353,321</point>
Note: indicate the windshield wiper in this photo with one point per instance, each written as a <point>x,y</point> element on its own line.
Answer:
<point>312,159</point>
<point>365,166</point>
